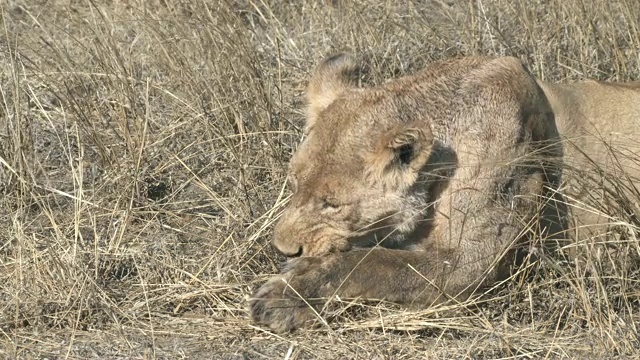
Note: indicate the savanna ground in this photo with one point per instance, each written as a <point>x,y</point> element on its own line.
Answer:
<point>143,149</point>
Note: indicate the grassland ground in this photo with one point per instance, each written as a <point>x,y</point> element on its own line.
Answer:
<point>143,152</point>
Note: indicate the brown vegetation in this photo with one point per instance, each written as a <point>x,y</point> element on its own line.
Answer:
<point>143,152</point>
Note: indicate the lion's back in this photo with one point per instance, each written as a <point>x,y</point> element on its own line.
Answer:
<point>599,124</point>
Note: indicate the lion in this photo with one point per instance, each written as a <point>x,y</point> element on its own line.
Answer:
<point>418,190</point>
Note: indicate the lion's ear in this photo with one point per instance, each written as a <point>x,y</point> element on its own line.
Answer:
<point>400,155</point>
<point>332,77</point>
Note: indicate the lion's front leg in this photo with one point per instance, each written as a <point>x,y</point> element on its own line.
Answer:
<point>405,277</point>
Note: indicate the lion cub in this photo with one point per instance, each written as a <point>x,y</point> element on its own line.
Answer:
<point>417,190</point>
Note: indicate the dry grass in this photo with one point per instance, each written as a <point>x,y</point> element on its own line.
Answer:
<point>143,146</point>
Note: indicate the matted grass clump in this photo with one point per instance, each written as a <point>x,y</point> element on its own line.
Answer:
<point>143,151</point>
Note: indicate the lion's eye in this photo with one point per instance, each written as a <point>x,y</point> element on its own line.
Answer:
<point>330,203</point>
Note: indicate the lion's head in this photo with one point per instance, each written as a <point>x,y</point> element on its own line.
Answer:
<point>374,159</point>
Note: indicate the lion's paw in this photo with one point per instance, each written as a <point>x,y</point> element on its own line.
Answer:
<point>289,301</point>
<point>276,305</point>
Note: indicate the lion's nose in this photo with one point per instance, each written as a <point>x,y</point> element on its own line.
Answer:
<point>288,249</point>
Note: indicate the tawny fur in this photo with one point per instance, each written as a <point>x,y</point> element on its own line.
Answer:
<point>436,176</point>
